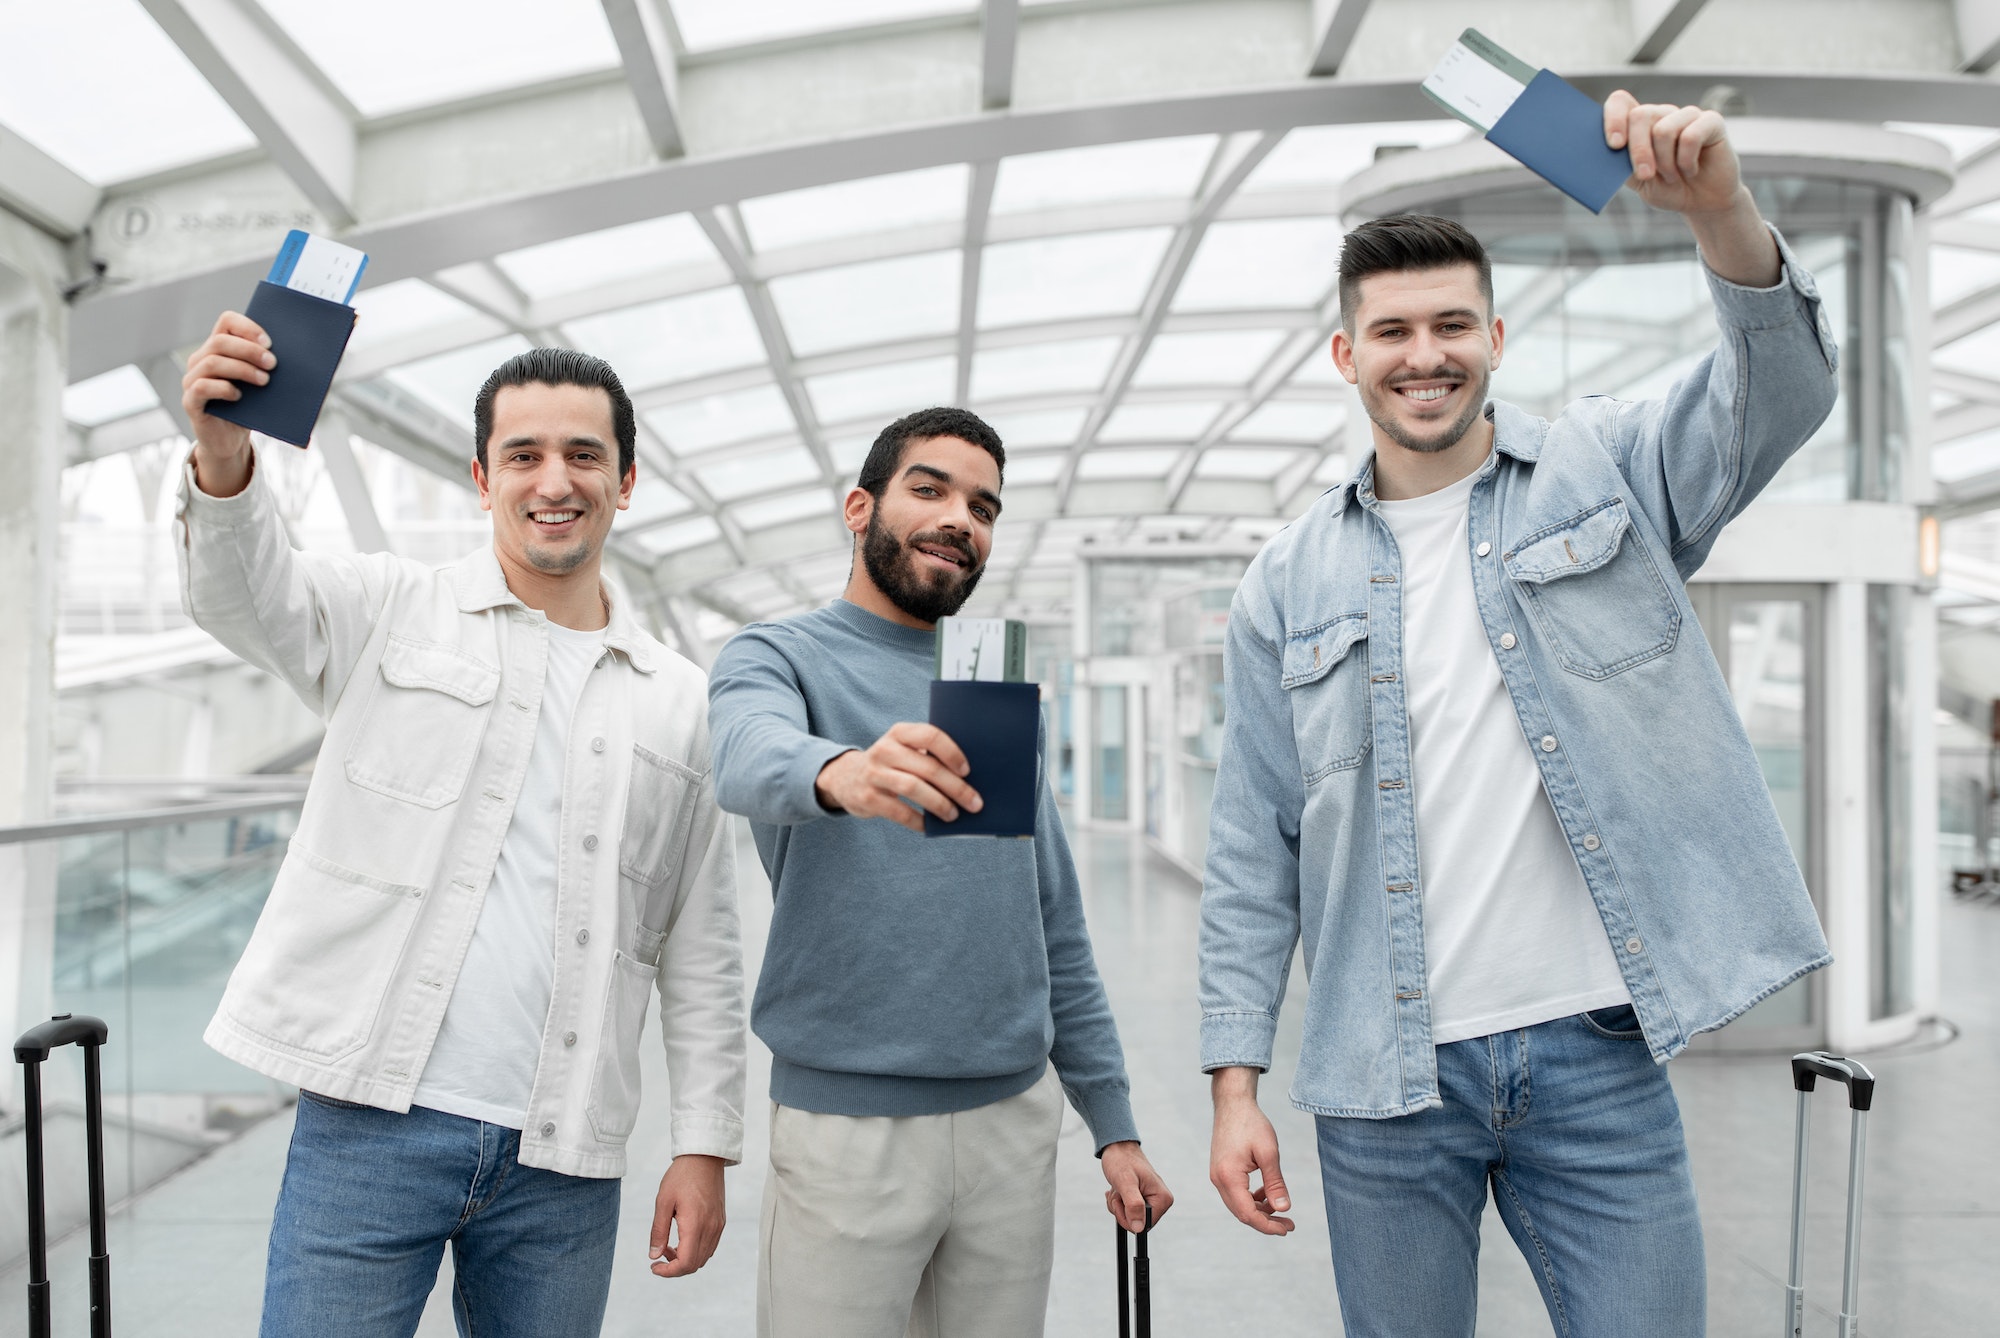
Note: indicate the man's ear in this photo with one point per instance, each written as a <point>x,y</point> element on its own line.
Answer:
<point>1499,342</point>
<point>479,481</point>
<point>1343,356</point>
<point>626,484</point>
<point>856,510</point>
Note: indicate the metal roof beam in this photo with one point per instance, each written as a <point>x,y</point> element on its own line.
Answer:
<point>306,127</point>
<point>42,190</point>
<point>1334,25</point>
<point>1978,34</point>
<point>335,440</point>
<point>777,349</point>
<point>978,209</point>
<point>1973,312</point>
<point>999,33</point>
<point>1656,24</point>
<point>1234,160</point>
<point>646,48</point>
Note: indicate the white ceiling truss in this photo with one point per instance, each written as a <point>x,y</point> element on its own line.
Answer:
<point>677,154</point>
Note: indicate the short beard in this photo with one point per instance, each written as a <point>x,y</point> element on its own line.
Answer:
<point>1376,405</point>
<point>560,561</point>
<point>925,596</point>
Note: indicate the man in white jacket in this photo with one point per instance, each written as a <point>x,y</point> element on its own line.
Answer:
<point>510,840</point>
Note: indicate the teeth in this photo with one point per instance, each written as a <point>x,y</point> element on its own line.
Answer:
<point>553,517</point>
<point>1436,393</point>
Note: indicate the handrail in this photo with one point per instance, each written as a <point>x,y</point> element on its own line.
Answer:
<point>90,825</point>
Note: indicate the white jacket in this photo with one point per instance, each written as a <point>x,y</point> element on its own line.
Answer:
<point>430,682</point>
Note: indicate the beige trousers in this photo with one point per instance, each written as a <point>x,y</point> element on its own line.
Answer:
<point>931,1226</point>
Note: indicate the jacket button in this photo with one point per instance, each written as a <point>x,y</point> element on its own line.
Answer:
<point>582,937</point>
<point>1508,641</point>
<point>597,745</point>
<point>1548,743</point>
<point>590,842</point>
<point>569,1038</point>
<point>1483,549</point>
<point>1633,945</point>
<point>1591,842</point>
<point>548,1131</point>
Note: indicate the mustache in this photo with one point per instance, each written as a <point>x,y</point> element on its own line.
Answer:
<point>1441,374</point>
<point>939,539</point>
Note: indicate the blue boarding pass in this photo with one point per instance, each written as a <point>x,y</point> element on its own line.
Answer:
<point>314,265</point>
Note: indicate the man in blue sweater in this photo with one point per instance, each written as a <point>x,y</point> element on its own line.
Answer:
<point>916,994</point>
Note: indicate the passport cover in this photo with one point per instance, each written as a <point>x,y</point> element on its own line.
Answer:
<point>308,335</point>
<point>1556,129</point>
<point>998,728</point>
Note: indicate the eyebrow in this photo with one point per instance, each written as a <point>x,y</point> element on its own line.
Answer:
<point>1456,313</point>
<point>990,498</point>
<point>586,440</point>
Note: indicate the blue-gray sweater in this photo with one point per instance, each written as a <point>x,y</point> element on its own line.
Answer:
<point>903,975</point>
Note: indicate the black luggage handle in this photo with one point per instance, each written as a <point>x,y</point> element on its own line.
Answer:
<point>31,1051</point>
<point>1139,1285</point>
<point>1860,1083</point>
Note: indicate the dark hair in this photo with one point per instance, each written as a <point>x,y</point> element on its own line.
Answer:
<point>557,367</point>
<point>887,452</point>
<point>1404,242</point>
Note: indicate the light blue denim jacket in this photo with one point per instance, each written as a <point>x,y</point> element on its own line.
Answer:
<point>1582,532</point>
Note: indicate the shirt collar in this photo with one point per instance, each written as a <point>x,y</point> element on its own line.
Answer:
<point>480,585</point>
<point>1515,434</point>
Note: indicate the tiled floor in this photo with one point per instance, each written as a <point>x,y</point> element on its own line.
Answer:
<point>187,1260</point>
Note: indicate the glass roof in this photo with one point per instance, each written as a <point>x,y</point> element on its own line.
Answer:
<point>866,279</point>
<point>391,55</point>
<point>708,24</point>
<point>1147,170</point>
<point>871,303</point>
<point>134,107</point>
<point>849,208</point>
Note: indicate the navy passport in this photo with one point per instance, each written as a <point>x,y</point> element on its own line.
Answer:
<point>998,727</point>
<point>308,335</point>
<point>1556,129</point>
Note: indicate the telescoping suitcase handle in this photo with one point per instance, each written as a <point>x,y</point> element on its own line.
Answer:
<point>1136,1291</point>
<point>30,1052</point>
<point>1807,1070</point>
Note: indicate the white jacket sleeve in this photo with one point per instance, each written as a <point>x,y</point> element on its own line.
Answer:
<point>301,616</point>
<point>701,990</point>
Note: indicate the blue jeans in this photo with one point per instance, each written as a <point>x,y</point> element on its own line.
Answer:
<point>1578,1133</point>
<point>369,1200</point>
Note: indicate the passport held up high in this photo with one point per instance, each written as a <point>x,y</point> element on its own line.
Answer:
<point>303,307</point>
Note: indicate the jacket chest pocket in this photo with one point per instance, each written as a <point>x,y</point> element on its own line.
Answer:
<point>1326,679</point>
<point>423,722</point>
<point>658,815</point>
<point>1595,592</point>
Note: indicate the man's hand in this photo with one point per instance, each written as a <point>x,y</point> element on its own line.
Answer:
<point>912,762</point>
<point>1244,1141</point>
<point>236,350</point>
<point>1134,1184</point>
<point>690,1194</point>
<point>1683,162</point>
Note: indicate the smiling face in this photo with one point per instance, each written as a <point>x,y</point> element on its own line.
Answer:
<point>1422,347</point>
<point>925,540</point>
<point>551,478</point>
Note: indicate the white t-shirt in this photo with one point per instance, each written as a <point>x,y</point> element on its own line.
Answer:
<point>483,1064</point>
<point>1511,936</point>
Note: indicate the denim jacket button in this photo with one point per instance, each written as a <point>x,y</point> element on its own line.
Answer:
<point>1483,549</point>
<point>1591,842</point>
<point>1548,743</point>
<point>1507,641</point>
<point>1633,945</point>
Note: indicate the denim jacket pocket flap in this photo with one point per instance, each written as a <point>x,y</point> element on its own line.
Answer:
<point>1571,547</point>
<point>431,664</point>
<point>1311,653</point>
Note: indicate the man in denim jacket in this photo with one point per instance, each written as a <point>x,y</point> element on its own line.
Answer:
<point>1480,760</point>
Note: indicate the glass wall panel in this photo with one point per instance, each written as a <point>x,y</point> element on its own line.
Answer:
<point>1891,983</point>
<point>1108,798</point>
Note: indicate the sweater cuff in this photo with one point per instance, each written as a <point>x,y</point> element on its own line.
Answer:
<point>1108,1113</point>
<point>802,803</point>
<point>1237,1040</point>
<point>708,1136</point>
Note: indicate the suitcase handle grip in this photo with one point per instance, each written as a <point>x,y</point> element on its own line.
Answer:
<point>36,1042</point>
<point>1860,1083</point>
